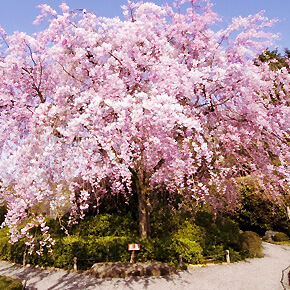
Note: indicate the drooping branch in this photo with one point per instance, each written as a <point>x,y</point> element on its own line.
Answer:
<point>34,86</point>
<point>42,99</point>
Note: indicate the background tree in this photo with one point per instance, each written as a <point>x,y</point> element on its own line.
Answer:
<point>275,59</point>
<point>257,213</point>
<point>93,106</point>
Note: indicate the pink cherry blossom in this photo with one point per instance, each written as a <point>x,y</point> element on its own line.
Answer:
<point>158,98</point>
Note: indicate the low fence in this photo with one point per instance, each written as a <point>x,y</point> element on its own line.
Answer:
<point>285,279</point>
<point>75,260</point>
<point>225,257</point>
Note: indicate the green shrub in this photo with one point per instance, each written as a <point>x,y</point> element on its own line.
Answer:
<point>191,231</point>
<point>148,249</point>
<point>229,233</point>
<point>234,256</point>
<point>109,249</point>
<point>251,245</point>
<point>162,251</point>
<point>165,221</point>
<point>5,246</point>
<point>90,250</point>
<point>156,250</point>
<point>16,252</point>
<point>169,250</point>
<point>280,237</point>
<point>220,234</point>
<point>105,238</point>
<point>55,228</point>
<point>107,225</point>
<point>66,249</point>
<point>191,251</point>
<point>187,242</point>
<point>8,283</point>
<point>10,252</point>
<point>258,213</point>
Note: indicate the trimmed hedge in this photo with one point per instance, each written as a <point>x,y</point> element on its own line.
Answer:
<point>9,283</point>
<point>251,245</point>
<point>280,237</point>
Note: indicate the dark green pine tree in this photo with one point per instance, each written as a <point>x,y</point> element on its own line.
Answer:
<point>275,59</point>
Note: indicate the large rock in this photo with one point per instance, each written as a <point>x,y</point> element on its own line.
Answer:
<point>269,235</point>
<point>122,270</point>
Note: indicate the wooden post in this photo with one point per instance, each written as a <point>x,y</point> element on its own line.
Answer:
<point>180,260</point>
<point>133,255</point>
<point>228,256</point>
<point>133,248</point>
<point>24,258</point>
<point>75,264</point>
<point>24,284</point>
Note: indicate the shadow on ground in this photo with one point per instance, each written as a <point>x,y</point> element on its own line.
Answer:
<point>37,278</point>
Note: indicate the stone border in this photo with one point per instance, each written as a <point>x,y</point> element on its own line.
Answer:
<point>122,270</point>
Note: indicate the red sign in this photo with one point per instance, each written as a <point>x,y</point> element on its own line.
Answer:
<point>134,247</point>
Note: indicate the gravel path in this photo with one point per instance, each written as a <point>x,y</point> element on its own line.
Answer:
<point>252,274</point>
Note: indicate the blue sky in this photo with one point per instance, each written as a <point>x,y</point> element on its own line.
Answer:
<point>19,14</point>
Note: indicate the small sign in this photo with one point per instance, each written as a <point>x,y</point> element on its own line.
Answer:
<point>134,247</point>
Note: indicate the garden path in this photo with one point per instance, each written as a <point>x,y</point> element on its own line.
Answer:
<point>252,274</point>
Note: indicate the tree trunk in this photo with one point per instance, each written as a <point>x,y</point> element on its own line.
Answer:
<point>142,191</point>
<point>144,214</point>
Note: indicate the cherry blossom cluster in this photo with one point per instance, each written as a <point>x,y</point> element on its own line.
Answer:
<point>160,96</point>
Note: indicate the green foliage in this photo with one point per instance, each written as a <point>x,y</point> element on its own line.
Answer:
<point>168,250</point>
<point>258,214</point>
<point>8,283</point>
<point>187,242</point>
<point>220,234</point>
<point>8,251</point>
<point>190,231</point>
<point>105,238</point>
<point>191,251</point>
<point>3,211</point>
<point>107,225</point>
<point>90,243</point>
<point>5,246</point>
<point>109,248</point>
<point>16,252</point>
<point>66,249</point>
<point>251,245</point>
<point>229,233</point>
<point>280,237</point>
<point>148,249</point>
<point>235,256</point>
<point>192,240</point>
<point>275,59</point>
<point>55,227</point>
